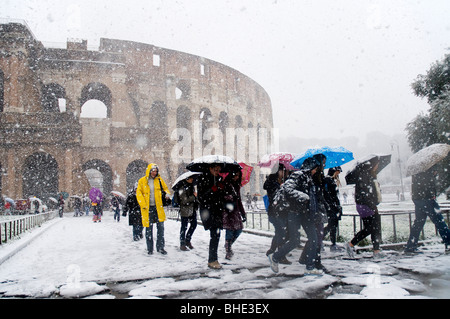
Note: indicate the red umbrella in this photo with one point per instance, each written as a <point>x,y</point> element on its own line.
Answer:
<point>246,173</point>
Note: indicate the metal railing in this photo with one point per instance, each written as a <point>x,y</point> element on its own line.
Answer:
<point>17,225</point>
<point>396,224</point>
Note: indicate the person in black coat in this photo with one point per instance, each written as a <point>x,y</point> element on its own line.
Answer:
<point>423,193</point>
<point>277,218</point>
<point>295,197</point>
<point>367,197</point>
<point>334,208</point>
<point>133,209</point>
<point>210,194</point>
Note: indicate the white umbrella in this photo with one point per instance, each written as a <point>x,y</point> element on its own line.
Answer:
<point>426,158</point>
<point>116,193</point>
<point>183,177</point>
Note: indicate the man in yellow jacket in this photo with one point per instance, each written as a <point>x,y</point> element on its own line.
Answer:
<point>149,197</point>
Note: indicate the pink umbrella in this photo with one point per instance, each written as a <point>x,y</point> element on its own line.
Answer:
<point>270,160</point>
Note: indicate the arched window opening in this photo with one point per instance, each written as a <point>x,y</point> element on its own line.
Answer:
<point>99,175</point>
<point>97,92</point>
<point>53,98</point>
<point>40,176</point>
<point>94,109</point>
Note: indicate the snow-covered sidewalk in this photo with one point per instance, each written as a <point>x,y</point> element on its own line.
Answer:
<point>74,257</point>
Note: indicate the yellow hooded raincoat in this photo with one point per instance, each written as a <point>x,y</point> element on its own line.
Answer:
<point>143,196</point>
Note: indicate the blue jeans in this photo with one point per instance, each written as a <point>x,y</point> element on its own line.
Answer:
<point>423,209</point>
<point>293,240</point>
<point>117,214</point>
<point>159,238</point>
<point>232,235</point>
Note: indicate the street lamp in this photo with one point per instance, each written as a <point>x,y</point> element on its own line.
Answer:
<point>399,167</point>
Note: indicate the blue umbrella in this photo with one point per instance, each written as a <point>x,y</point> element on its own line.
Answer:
<point>336,156</point>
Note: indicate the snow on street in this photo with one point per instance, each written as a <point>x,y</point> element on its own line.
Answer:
<point>72,257</point>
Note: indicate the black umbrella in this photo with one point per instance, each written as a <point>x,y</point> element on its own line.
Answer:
<point>202,164</point>
<point>364,164</point>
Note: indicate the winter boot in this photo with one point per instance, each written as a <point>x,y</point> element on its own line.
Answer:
<point>189,245</point>
<point>183,247</point>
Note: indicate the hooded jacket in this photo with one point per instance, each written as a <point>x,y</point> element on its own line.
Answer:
<point>143,195</point>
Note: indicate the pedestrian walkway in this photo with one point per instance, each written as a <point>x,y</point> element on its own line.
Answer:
<point>74,257</point>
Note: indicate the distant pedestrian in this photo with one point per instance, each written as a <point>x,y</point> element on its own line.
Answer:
<point>234,214</point>
<point>77,206</point>
<point>367,197</point>
<point>86,205</point>
<point>131,207</point>
<point>423,193</point>
<point>149,195</point>
<point>115,204</point>
<point>61,205</point>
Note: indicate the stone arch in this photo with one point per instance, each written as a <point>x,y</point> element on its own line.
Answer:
<point>97,91</point>
<point>184,117</point>
<point>105,170</point>
<point>158,123</point>
<point>50,97</point>
<point>40,176</point>
<point>206,119</point>
<point>135,170</point>
<point>182,91</point>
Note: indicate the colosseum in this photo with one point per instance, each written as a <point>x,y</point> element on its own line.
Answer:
<point>64,111</point>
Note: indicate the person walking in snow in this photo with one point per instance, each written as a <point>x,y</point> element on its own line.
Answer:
<point>149,196</point>
<point>133,209</point>
<point>276,217</point>
<point>187,197</point>
<point>86,205</point>
<point>317,209</point>
<point>423,193</point>
<point>116,208</point>
<point>61,205</point>
<point>334,208</point>
<point>77,207</point>
<point>234,214</point>
<point>97,210</point>
<point>210,189</point>
<point>367,197</point>
<point>293,197</point>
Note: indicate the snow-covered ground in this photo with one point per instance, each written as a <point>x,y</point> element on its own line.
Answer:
<point>72,257</point>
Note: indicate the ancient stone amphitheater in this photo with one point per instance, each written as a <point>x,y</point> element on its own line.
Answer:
<point>66,111</point>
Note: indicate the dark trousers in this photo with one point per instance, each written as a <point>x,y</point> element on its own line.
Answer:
<point>423,209</point>
<point>332,226</point>
<point>372,227</point>
<point>186,237</point>
<point>213,244</point>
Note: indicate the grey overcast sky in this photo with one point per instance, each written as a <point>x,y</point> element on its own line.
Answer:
<point>332,68</point>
